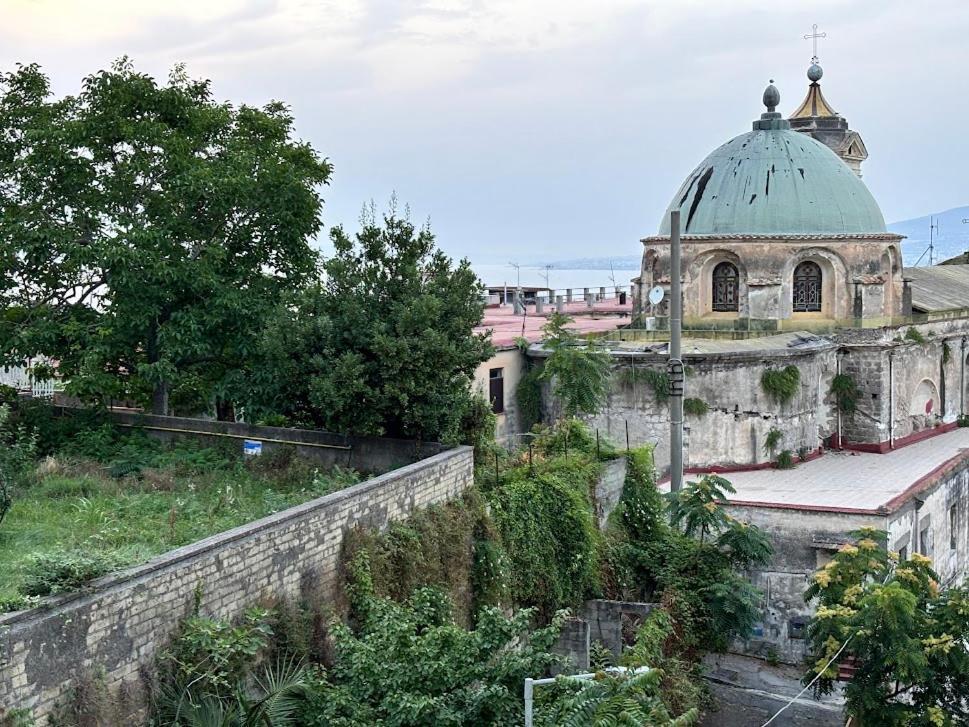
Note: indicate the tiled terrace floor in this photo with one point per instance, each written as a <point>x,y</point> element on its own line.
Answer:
<point>849,480</point>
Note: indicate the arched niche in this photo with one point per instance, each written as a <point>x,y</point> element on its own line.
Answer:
<point>925,400</point>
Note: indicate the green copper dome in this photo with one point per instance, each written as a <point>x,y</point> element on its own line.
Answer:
<point>774,181</point>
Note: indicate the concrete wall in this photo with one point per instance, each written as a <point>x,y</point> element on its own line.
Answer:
<point>512,363</point>
<point>370,455</point>
<point>608,489</point>
<point>120,622</point>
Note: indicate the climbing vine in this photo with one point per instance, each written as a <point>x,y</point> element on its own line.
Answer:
<point>657,380</point>
<point>781,384</point>
<point>846,393</point>
<point>528,397</point>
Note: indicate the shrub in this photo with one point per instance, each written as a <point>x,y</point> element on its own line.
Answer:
<point>453,546</point>
<point>477,427</point>
<point>785,460</point>
<point>571,436</point>
<point>802,453</point>
<point>913,334</point>
<point>695,407</point>
<point>548,529</point>
<point>781,384</point>
<point>61,571</point>
<point>773,438</point>
<point>18,447</point>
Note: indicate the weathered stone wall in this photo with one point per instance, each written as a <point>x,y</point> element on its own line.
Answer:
<point>740,414</point>
<point>805,539</point>
<point>908,375</point>
<point>942,533</point>
<point>122,620</point>
<point>802,540</point>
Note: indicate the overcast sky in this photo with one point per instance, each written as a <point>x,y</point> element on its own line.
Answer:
<point>543,128</point>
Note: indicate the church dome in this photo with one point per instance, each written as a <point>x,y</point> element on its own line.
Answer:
<point>774,181</point>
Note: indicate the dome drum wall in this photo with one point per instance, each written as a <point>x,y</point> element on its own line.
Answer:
<point>860,278</point>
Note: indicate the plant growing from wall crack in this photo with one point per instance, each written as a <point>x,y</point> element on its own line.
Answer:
<point>695,407</point>
<point>781,384</point>
<point>846,393</point>
<point>774,437</point>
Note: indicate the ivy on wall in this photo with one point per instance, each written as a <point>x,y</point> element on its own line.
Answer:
<point>781,384</point>
<point>846,393</point>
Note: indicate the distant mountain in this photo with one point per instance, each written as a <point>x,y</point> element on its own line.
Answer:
<point>617,262</point>
<point>951,237</point>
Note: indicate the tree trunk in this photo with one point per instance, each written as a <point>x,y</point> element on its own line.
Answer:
<point>225,411</point>
<point>159,399</point>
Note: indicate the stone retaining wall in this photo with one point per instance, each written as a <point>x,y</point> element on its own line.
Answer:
<point>119,623</point>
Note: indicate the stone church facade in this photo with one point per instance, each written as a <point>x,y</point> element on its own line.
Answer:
<point>787,265</point>
<point>786,260</point>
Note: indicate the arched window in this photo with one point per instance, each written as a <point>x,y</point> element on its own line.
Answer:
<point>725,287</point>
<point>807,287</point>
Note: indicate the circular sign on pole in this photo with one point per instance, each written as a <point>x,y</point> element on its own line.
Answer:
<point>656,295</point>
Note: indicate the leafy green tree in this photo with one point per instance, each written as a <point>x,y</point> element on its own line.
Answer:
<point>579,370</point>
<point>18,447</point>
<point>146,230</point>
<point>904,636</point>
<point>693,565</point>
<point>386,345</point>
<point>410,664</point>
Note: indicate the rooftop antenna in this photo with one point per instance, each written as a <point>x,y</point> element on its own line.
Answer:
<point>518,273</point>
<point>933,229</point>
<point>545,275</point>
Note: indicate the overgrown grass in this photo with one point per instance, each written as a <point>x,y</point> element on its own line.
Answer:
<point>134,499</point>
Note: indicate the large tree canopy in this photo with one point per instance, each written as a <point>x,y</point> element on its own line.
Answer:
<point>146,230</point>
<point>385,345</point>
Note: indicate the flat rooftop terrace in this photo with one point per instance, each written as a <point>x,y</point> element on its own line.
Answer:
<point>853,482</point>
<point>505,326</point>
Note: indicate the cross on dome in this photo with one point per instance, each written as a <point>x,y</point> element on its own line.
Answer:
<point>813,36</point>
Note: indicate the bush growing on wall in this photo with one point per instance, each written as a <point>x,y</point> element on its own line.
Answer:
<point>781,384</point>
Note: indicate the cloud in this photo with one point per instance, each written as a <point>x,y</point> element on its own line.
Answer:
<point>549,124</point>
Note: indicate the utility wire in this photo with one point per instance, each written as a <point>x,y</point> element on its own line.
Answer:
<point>811,684</point>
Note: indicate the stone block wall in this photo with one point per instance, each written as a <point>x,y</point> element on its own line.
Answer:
<point>122,620</point>
<point>740,415</point>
